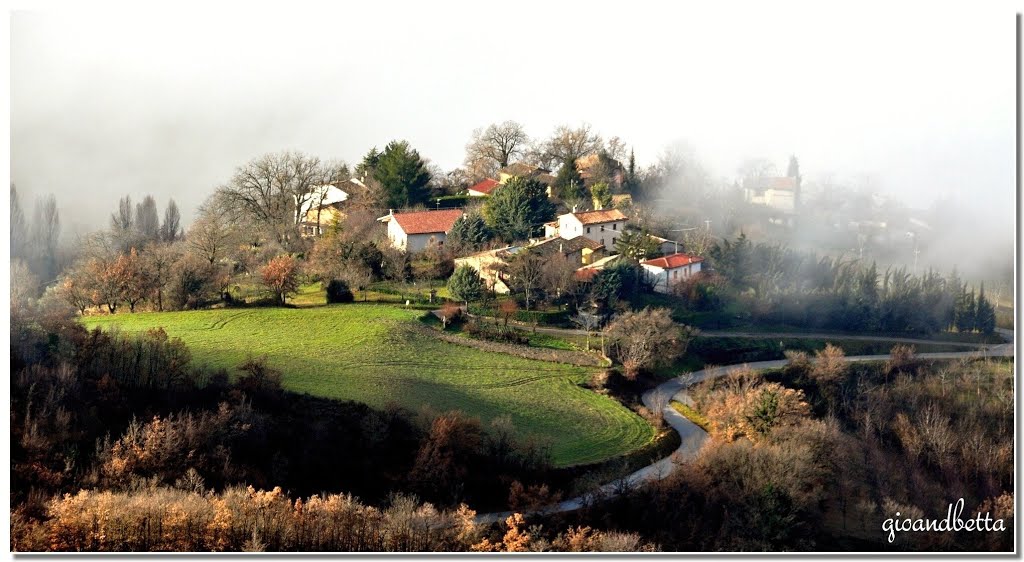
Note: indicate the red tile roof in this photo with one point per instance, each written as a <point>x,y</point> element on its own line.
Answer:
<point>673,261</point>
<point>586,274</point>
<point>595,217</point>
<point>427,222</point>
<point>485,186</point>
<point>567,245</point>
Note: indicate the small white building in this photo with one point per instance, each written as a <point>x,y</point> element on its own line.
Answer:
<point>604,226</point>
<point>483,188</point>
<point>665,272</point>
<point>774,192</point>
<point>417,230</point>
<point>321,208</point>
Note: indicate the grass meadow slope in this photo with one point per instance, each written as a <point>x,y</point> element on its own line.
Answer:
<point>369,353</point>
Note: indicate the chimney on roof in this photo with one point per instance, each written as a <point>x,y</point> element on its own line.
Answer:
<point>391,212</point>
<point>574,208</point>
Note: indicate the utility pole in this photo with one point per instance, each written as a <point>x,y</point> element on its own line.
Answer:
<point>687,229</point>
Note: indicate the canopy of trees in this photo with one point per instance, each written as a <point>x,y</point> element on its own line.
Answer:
<point>519,209</point>
<point>273,190</point>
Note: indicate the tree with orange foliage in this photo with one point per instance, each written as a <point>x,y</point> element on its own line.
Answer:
<point>280,275</point>
<point>447,454</point>
<point>507,309</point>
<point>132,278</point>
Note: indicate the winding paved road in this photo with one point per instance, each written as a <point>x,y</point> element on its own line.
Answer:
<point>693,437</point>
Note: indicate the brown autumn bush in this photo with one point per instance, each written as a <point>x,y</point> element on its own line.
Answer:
<point>161,519</point>
<point>902,357</point>
<point>281,275</point>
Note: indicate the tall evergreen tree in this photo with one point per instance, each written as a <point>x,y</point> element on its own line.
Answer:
<point>19,227</point>
<point>965,312</point>
<point>368,166</point>
<point>470,231</point>
<point>632,183</point>
<point>794,172</point>
<point>985,315</point>
<point>519,209</point>
<point>45,237</point>
<point>403,175</point>
<point>569,183</point>
<point>170,230</point>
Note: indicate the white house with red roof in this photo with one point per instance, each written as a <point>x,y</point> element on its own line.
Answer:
<point>483,188</point>
<point>417,230</point>
<point>665,272</point>
<point>604,226</point>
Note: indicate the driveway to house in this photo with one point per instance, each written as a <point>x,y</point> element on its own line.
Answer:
<point>693,437</point>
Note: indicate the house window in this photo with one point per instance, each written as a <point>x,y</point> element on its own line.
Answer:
<point>613,240</point>
<point>615,226</point>
<point>602,241</point>
<point>588,230</point>
<point>602,228</point>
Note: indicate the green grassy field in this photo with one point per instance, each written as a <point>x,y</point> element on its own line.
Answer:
<point>361,352</point>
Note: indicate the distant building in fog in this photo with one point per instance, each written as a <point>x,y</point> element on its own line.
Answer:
<point>778,193</point>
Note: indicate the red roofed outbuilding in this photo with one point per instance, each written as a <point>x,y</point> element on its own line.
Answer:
<point>416,230</point>
<point>666,271</point>
<point>485,187</point>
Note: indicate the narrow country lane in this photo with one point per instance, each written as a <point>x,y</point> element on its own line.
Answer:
<point>693,437</point>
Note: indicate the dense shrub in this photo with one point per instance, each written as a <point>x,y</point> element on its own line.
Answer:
<point>339,292</point>
<point>495,332</point>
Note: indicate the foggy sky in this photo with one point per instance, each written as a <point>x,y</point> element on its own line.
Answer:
<point>114,101</point>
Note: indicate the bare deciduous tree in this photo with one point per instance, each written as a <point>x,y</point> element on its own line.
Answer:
<point>559,276</point>
<point>122,224</point>
<point>524,273</point>
<point>494,147</point>
<point>159,262</point>
<point>588,322</point>
<point>274,190</point>
<point>170,230</point>
<point>567,144</point>
<point>212,233</point>
<point>647,338</point>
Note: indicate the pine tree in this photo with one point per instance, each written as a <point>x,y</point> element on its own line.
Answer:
<point>632,182</point>
<point>794,172</point>
<point>402,174</point>
<point>470,231</point>
<point>465,284</point>
<point>569,183</point>
<point>965,312</point>
<point>985,315</point>
<point>519,209</point>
